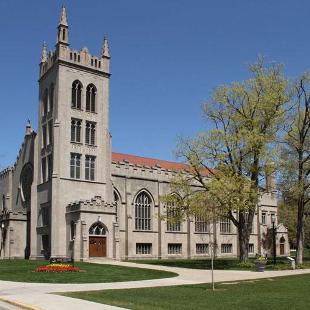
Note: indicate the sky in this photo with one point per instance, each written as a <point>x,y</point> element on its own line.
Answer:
<point>167,56</point>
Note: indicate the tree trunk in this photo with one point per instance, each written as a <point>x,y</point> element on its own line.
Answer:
<point>300,232</point>
<point>301,210</point>
<point>243,244</point>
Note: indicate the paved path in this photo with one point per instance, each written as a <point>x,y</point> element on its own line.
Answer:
<point>37,294</point>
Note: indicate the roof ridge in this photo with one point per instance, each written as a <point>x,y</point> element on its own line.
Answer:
<point>144,157</point>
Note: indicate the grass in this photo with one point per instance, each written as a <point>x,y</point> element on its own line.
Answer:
<point>22,271</point>
<point>279,293</point>
<point>221,263</point>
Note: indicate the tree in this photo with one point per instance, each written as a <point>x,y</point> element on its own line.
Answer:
<point>295,160</point>
<point>226,161</point>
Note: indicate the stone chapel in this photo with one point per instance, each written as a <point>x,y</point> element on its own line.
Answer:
<point>69,195</point>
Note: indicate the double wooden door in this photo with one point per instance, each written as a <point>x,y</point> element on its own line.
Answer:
<point>97,246</point>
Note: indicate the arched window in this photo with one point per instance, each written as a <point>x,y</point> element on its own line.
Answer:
<point>76,94</point>
<point>117,202</point>
<point>90,133</point>
<point>45,101</point>
<point>143,211</point>
<point>173,218</point>
<point>97,229</point>
<point>26,179</point>
<point>91,98</point>
<point>174,215</point>
<point>76,130</point>
<point>51,97</point>
<point>72,231</point>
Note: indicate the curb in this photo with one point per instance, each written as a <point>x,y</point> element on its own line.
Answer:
<point>18,304</point>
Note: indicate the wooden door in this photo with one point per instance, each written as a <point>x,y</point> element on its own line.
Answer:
<point>281,248</point>
<point>97,246</point>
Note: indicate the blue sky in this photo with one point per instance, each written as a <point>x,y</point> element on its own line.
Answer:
<point>167,56</point>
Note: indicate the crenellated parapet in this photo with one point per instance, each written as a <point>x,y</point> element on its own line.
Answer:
<point>5,173</point>
<point>75,57</point>
<point>94,205</point>
<point>128,169</point>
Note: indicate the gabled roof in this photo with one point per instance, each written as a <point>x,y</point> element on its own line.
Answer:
<point>150,162</point>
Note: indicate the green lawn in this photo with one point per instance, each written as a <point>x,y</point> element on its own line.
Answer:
<point>22,271</point>
<point>278,293</point>
<point>220,263</point>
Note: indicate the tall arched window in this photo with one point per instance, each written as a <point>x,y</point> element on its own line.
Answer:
<point>91,98</point>
<point>173,218</point>
<point>97,229</point>
<point>72,231</point>
<point>143,211</point>
<point>45,101</point>
<point>117,203</point>
<point>51,97</point>
<point>76,94</point>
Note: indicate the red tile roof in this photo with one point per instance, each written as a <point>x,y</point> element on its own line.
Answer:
<point>151,162</point>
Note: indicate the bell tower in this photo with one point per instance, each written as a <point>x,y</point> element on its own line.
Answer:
<point>74,147</point>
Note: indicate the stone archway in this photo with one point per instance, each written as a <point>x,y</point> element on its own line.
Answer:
<point>97,240</point>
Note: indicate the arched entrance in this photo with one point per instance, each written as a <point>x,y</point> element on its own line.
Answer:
<point>97,240</point>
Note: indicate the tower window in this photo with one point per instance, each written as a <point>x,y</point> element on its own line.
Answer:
<point>90,167</point>
<point>76,94</point>
<point>75,166</point>
<point>50,132</point>
<point>44,136</point>
<point>90,133</point>
<point>91,98</point>
<point>45,102</point>
<point>51,97</point>
<point>43,166</point>
<point>64,34</point>
<point>50,166</point>
<point>76,130</point>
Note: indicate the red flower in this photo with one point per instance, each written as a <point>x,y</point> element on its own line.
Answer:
<point>57,269</point>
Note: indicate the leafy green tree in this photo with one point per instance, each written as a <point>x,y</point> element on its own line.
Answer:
<point>226,161</point>
<point>295,160</point>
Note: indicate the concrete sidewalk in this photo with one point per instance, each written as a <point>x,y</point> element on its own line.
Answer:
<point>37,294</point>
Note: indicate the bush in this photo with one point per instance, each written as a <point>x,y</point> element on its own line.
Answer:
<point>247,265</point>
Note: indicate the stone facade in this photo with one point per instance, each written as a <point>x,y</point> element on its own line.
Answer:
<point>68,195</point>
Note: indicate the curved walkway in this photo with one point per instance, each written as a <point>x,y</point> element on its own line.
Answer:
<point>37,294</point>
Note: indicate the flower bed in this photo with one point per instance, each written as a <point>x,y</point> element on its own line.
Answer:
<point>58,268</point>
